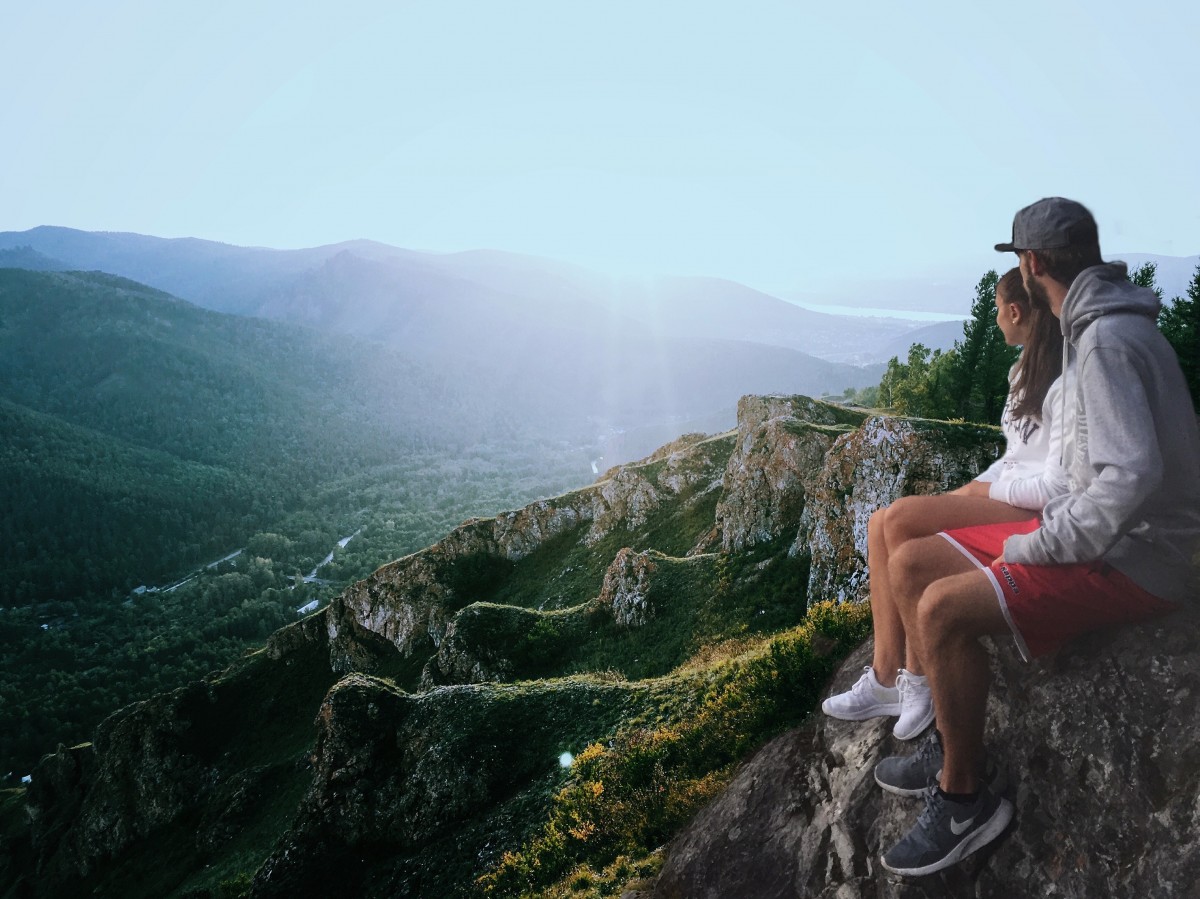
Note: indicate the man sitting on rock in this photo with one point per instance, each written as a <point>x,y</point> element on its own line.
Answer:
<point>1116,549</point>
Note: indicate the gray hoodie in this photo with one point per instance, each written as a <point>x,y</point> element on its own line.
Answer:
<point>1135,472</point>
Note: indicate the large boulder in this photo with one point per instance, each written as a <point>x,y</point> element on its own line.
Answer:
<point>626,589</point>
<point>1101,746</point>
<point>869,468</point>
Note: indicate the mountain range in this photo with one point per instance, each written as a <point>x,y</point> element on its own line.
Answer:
<point>944,291</point>
<point>385,292</point>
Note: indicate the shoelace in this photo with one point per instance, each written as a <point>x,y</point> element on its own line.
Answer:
<point>863,684</point>
<point>905,684</point>
<point>934,811</point>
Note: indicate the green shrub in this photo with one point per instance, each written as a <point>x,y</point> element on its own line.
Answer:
<point>638,790</point>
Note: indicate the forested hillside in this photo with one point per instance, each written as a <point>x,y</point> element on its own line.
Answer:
<point>142,438</point>
<point>163,431</point>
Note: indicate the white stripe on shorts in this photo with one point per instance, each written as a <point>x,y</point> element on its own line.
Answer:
<point>1021,645</point>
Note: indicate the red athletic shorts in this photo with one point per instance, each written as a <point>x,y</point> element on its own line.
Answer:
<point>1047,605</point>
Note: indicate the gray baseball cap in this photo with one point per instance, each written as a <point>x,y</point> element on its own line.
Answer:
<point>1050,224</point>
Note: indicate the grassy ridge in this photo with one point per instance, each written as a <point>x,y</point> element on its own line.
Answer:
<point>631,794</point>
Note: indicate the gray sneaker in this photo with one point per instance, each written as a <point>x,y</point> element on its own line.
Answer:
<point>909,775</point>
<point>948,831</point>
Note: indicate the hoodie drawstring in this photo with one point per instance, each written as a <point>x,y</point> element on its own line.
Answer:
<point>1062,411</point>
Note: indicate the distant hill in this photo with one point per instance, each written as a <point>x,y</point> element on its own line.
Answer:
<point>142,433</point>
<point>1173,273</point>
<point>540,340</point>
<point>252,412</point>
<point>938,336</point>
<point>29,258</point>
<point>348,286</point>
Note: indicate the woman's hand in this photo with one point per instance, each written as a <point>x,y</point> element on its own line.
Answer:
<point>974,488</point>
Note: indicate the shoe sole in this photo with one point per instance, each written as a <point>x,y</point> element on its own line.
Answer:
<point>978,838</point>
<point>997,784</point>
<point>886,710</point>
<point>901,791</point>
<point>918,730</point>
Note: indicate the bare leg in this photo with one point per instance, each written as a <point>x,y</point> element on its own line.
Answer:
<point>913,517</point>
<point>920,517</point>
<point>885,617</point>
<point>953,614</point>
<point>951,603</point>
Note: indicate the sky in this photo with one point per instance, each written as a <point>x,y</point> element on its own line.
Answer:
<point>795,147</point>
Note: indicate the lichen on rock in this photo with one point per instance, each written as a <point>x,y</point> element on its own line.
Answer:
<point>869,468</point>
<point>781,445</point>
<point>627,587</point>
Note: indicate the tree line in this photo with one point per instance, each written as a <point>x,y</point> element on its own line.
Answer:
<point>970,380</point>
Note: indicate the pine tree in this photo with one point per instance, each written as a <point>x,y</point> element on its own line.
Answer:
<point>979,381</point>
<point>1144,276</point>
<point>1180,324</point>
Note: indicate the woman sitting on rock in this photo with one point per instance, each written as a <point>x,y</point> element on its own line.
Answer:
<point>1023,479</point>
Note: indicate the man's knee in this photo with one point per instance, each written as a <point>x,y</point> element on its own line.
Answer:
<point>959,609</point>
<point>937,616</point>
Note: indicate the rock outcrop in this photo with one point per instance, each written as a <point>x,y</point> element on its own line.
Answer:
<point>1101,746</point>
<point>868,468</point>
<point>83,812</point>
<point>488,642</point>
<point>781,446</point>
<point>626,589</point>
<point>177,756</point>
<point>404,771</point>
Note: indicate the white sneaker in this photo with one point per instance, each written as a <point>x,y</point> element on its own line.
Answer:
<point>866,699</point>
<point>916,705</point>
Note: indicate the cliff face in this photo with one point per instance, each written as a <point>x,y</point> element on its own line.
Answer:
<point>781,447</point>
<point>181,776</point>
<point>414,772</point>
<point>1101,747</point>
<point>869,468</point>
<point>426,768</point>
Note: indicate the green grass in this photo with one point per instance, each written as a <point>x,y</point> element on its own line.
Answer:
<point>697,602</point>
<point>560,573</point>
<point>565,572</point>
<point>635,791</point>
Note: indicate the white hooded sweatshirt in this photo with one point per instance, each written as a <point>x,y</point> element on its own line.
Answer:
<point>1030,473</point>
